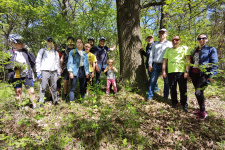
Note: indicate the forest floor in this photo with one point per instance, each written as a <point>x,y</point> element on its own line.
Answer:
<point>123,121</point>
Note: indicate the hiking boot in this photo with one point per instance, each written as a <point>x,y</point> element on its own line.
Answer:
<point>202,115</point>
<point>56,103</point>
<point>197,112</point>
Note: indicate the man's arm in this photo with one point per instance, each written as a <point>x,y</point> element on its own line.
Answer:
<point>38,61</point>
<point>188,60</point>
<point>151,56</point>
<point>164,67</point>
<point>114,47</point>
<point>61,61</point>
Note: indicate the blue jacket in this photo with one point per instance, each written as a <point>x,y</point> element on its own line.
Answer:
<point>208,60</point>
<point>73,63</point>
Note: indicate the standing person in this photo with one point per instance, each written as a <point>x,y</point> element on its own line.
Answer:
<point>111,78</point>
<point>63,64</point>
<point>204,60</point>
<point>155,63</point>
<point>92,61</point>
<point>150,40</point>
<point>48,69</point>
<point>91,41</point>
<point>100,52</point>
<point>78,68</point>
<point>178,58</point>
<point>20,68</point>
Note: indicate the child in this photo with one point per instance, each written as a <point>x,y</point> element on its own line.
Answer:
<point>111,78</point>
<point>92,60</point>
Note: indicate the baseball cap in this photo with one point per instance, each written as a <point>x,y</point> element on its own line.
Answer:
<point>101,38</point>
<point>149,36</point>
<point>91,38</point>
<point>48,38</point>
<point>16,38</point>
<point>163,29</point>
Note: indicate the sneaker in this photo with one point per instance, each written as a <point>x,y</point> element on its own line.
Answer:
<point>185,109</point>
<point>87,94</point>
<point>116,93</point>
<point>197,112</point>
<point>202,115</point>
<point>107,94</point>
<point>35,107</point>
<point>149,100</point>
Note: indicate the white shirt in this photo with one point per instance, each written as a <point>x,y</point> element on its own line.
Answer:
<point>81,53</point>
<point>20,59</point>
<point>157,52</point>
<point>47,60</point>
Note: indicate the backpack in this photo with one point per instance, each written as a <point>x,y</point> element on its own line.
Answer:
<point>31,59</point>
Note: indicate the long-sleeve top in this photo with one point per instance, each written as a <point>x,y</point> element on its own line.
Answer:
<point>76,60</point>
<point>146,54</point>
<point>208,60</point>
<point>157,52</point>
<point>12,69</point>
<point>47,60</point>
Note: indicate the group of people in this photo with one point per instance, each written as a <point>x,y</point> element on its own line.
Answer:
<point>177,63</point>
<point>78,62</point>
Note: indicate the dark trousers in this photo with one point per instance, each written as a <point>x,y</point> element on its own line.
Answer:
<point>200,82</point>
<point>174,78</point>
<point>82,79</point>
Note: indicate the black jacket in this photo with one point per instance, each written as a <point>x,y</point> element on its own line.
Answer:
<point>12,69</point>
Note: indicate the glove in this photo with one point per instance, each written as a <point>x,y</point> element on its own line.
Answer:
<point>39,76</point>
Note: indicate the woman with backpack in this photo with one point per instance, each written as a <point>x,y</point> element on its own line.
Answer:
<point>20,68</point>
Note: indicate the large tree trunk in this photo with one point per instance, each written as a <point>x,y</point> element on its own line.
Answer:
<point>131,63</point>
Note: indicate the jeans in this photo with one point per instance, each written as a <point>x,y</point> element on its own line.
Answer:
<point>174,78</point>
<point>200,83</point>
<point>82,79</point>
<point>156,70</point>
<point>46,76</point>
<point>109,81</point>
<point>149,81</point>
<point>98,75</point>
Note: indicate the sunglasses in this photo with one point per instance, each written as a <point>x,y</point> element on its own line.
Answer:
<point>49,40</point>
<point>204,38</point>
<point>175,39</point>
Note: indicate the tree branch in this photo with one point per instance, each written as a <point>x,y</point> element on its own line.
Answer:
<point>152,4</point>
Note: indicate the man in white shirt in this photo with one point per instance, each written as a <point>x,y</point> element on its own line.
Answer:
<point>48,68</point>
<point>155,63</point>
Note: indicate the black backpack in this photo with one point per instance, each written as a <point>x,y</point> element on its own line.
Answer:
<point>31,58</point>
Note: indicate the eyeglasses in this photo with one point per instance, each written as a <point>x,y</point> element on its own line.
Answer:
<point>50,40</point>
<point>79,42</point>
<point>204,38</point>
<point>175,39</point>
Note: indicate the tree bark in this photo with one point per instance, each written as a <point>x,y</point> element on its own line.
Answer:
<point>132,67</point>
